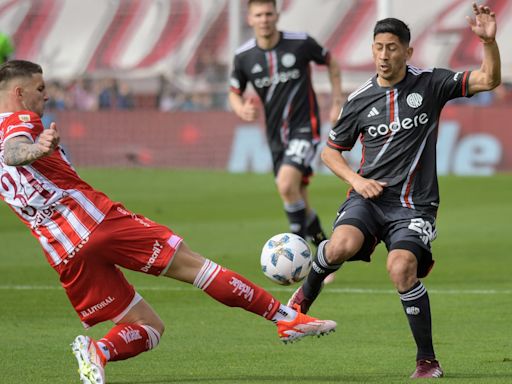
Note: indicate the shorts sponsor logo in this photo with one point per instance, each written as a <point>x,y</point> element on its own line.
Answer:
<point>76,250</point>
<point>95,308</point>
<point>395,126</point>
<point>280,77</point>
<point>157,249</point>
<point>242,289</point>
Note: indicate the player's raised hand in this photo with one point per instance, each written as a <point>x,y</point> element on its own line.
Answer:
<point>48,140</point>
<point>484,23</point>
<point>368,188</point>
<point>249,110</point>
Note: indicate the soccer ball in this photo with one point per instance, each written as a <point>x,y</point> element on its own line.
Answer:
<point>286,258</point>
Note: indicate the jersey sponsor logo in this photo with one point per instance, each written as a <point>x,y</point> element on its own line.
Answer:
<point>288,60</point>
<point>157,249</point>
<point>257,68</point>
<point>280,77</point>
<point>11,127</point>
<point>373,112</point>
<point>414,100</point>
<point>102,304</point>
<point>395,126</point>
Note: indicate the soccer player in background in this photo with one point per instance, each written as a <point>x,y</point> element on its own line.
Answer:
<point>85,236</point>
<point>394,195</point>
<point>277,64</point>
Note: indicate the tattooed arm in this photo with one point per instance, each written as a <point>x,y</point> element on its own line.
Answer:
<point>21,151</point>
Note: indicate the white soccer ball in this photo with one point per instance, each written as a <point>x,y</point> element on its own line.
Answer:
<point>286,258</point>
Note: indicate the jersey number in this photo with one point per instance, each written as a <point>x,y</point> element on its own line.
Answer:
<point>298,147</point>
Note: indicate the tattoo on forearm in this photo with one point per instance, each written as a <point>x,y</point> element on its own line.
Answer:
<point>21,152</point>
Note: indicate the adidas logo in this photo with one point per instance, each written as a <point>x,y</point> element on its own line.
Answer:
<point>257,68</point>
<point>373,112</point>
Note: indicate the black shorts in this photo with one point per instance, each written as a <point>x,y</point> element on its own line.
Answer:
<point>398,227</point>
<point>299,153</point>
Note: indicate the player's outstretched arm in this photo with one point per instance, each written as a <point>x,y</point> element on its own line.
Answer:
<point>483,24</point>
<point>21,151</point>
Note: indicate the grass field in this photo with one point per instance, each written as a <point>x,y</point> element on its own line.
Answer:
<point>227,218</point>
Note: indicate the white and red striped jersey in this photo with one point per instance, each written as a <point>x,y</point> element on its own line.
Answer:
<point>48,195</point>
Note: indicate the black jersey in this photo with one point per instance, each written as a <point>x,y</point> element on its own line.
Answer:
<point>282,78</point>
<point>398,127</point>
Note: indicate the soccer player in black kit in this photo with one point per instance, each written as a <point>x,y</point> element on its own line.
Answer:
<point>278,66</point>
<point>394,195</point>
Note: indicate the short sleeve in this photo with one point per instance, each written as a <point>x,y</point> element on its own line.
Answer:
<point>344,134</point>
<point>22,123</point>
<point>316,52</point>
<point>237,80</point>
<point>449,85</point>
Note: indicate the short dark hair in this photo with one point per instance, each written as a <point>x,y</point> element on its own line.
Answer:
<point>17,68</point>
<point>394,26</point>
<point>250,2</point>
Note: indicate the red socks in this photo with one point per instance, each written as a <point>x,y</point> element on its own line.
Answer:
<point>128,340</point>
<point>234,290</point>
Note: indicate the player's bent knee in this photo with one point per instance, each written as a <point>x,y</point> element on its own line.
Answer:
<point>339,250</point>
<point>402,267</point>
<point>185,264</point>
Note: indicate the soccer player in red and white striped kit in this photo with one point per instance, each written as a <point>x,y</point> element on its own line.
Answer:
<point>85,237</point>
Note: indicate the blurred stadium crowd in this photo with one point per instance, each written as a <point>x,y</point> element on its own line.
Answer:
<point>176,54</point>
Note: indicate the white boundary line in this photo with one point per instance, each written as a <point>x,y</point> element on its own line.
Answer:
<point>283,289</point>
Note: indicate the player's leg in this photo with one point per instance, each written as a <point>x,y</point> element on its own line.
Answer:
<point>313,226</point>
<point>345,242</point>
<point>354,237</point>
<point>234,290</point>
<point>402,268</point>
<point>289,182</point>
<point>138,329</point>
<point>410,258</point>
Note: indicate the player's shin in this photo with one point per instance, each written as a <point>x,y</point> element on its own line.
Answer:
<point>234,290</point>
<point>416,305</point>
<point>320,269</point>
<point>296,213</point>
<point>314,229</point>
<point>128,340</point>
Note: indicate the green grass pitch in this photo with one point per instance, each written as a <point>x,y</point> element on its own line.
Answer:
<point>227,218</point>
